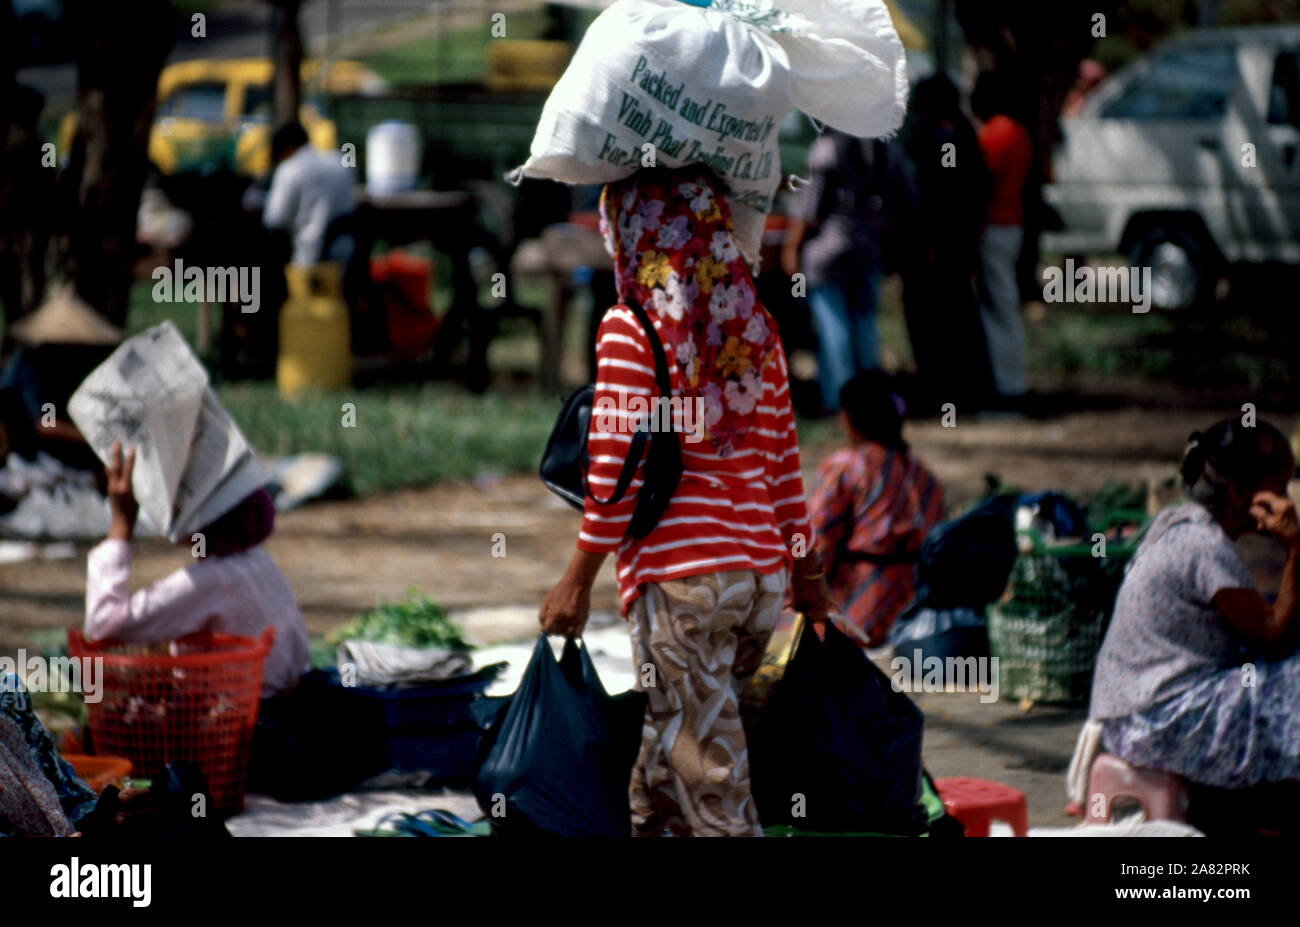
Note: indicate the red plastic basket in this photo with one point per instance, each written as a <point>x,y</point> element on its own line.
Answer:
<point>194,699</point>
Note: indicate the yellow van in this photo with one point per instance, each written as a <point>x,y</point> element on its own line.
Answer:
<point>219,110</point>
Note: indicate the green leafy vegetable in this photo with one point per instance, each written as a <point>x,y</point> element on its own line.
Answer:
<point>416,622</point>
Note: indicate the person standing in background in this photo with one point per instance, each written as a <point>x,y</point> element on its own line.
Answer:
<point>843,235</point>
<point>1008,154</point>
<point>1091,73</point>
<point>943,317</point>
<point>310,191</point>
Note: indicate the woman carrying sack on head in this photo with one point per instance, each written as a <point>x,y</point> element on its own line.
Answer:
<point>703,589</point>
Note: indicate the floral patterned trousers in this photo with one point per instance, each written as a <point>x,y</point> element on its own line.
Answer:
<point>696,642</point>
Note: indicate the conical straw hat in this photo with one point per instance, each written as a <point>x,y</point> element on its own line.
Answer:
<point>65,318</point>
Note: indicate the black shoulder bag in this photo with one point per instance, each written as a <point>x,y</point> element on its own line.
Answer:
<point>564,462</point>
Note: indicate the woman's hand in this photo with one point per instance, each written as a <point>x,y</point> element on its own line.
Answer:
<point>566,607</point>
<point>121,499</point>
<point>137,809</point>
<point>810,592</point>
<point>1275,516</point>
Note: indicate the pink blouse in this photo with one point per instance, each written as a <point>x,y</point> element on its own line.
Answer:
<point>240,594</point>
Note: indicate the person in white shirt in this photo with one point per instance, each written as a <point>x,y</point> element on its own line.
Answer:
<point>309,191</point>
<point>236,588</point>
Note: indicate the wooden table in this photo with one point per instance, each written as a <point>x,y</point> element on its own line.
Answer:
<point>561,249</point>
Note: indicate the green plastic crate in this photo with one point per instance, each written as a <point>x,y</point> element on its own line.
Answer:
<point>1046,632</point>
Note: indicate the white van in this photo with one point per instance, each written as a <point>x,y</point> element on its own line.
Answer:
<point>1187,161</point>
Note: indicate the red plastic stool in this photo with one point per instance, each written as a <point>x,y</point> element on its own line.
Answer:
<point>977,802</point>
<point>1162,795</point>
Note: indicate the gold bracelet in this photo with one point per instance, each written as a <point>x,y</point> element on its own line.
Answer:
<point>820,574</point>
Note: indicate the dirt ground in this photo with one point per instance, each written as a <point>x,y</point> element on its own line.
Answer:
<point>341,557</point>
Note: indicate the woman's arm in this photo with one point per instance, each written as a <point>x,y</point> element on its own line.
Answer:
<point>794,234</point>
<point>1275,627</point>
<point>624,368</point>
<point>809,590</point>
<point>171,607</point>
<point>121,497</point>
<point>566,607</point>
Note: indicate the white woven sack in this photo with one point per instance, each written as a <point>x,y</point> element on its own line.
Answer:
<point>662,82</point>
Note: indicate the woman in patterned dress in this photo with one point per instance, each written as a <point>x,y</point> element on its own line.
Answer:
<point>1199,674</point>
<point>873,506</point>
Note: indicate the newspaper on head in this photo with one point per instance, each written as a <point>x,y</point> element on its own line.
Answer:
<point>192,462</point>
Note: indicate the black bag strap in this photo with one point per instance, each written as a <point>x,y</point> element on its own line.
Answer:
<point>656,348</point>
<point>642,435</point>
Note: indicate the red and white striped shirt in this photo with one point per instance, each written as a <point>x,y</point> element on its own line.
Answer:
<point>742,512</point>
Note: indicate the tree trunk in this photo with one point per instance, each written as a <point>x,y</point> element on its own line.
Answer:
<point>286,52</point>
<point>1039,46</point>
<point>26,186</point>
<point>121,50</point>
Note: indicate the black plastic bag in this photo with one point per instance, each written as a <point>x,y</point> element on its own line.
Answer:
<point>939,632</point>
<point>1057,512</point>
<point>167,813</point>
<point>967,561</point>
<point>561,751</point>
<point>836,733</point>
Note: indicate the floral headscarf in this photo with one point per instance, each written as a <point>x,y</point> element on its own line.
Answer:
<point>670,235</point>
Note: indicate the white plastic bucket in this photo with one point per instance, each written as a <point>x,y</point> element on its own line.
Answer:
<point>392,157</point>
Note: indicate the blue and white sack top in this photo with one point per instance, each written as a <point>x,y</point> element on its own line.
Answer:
<point>694,81</point>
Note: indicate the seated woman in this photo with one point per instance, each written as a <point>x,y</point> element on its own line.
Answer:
<point>40,795</point>
<point>1198,674</point>
<point>236,588</point>
<point>874,504</point>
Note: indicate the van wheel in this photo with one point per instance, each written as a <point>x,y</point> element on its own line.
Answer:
<point>1182,271</point>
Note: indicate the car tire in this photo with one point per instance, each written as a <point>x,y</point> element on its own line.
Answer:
<point>1183,270</point>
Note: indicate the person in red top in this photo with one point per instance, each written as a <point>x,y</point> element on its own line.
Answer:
<point>1008,153</point>
<point>872,508</point>
<point>704,589</point>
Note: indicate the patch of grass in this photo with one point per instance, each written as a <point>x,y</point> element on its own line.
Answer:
<point>1223,347</point>
<point>143,312</point>
<point>404,436</point>
<point>1102,341</point>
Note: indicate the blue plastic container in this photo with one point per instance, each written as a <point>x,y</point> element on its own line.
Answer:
<point>430,728</point>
